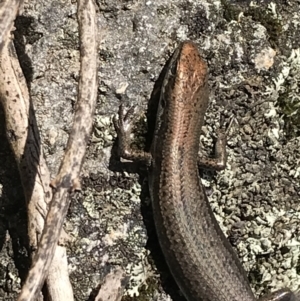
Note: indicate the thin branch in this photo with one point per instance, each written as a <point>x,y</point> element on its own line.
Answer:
<point>23,136</point>
<point>58,283</point>
<point>67,179</point>
<point>113,286</point>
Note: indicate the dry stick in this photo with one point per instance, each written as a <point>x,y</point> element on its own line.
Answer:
<point>67,179</point>
<point>113,286</point>
<point>58,282</point>
<point>24,140</point>
<point>23,135</point>
<point>8,12</point>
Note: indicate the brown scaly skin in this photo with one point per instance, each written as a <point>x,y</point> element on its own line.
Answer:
<point>198,254</point>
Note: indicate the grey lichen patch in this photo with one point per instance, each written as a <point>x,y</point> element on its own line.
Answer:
<point>274,242</point>
<point>69,36</point>
<point>143,280</point>
<point>143,285</point>
<point>231,12</point>
<point>89,204</point>
<point>54,56</point>
<point>261,182</point>
<point>103,133</point>
<point>195,19</point>
<point>105,225</point>
<point>268,239</point>
<point>265,15</point>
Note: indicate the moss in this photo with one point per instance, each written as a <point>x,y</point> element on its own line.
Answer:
<point>290,112</point>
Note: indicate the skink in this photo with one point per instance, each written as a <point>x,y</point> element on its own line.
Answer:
<point>199,256</point>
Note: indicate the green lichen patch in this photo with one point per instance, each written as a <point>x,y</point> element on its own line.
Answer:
<point>290,107</point>
<point>287,85</point>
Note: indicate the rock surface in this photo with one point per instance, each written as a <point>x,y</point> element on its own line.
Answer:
<point>253,52</point>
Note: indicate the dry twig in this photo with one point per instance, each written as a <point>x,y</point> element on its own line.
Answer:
<point>113,286</point>
<point>8,12</point>
<point>67,179</point>
<point>23,136</point>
